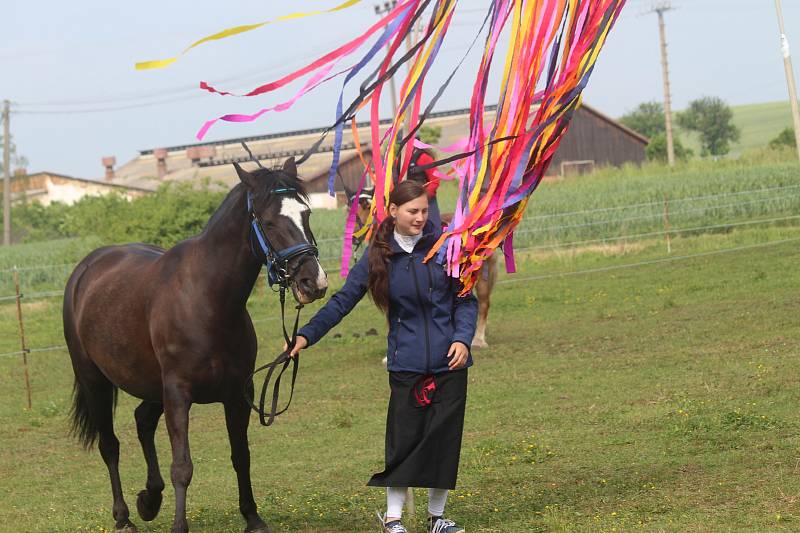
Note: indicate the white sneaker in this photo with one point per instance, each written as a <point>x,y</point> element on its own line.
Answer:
<point>442,525</point>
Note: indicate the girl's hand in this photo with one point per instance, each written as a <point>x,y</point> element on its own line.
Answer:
<point>299,343</point>
<point>458,354</point>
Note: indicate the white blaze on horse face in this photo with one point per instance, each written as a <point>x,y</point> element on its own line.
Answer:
<point>293,210</point>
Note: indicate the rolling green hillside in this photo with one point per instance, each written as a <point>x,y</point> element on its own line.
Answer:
<point>759,124</point>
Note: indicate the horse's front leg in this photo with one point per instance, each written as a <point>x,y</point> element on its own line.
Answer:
<point>237,419</point>
<point>177,401</point>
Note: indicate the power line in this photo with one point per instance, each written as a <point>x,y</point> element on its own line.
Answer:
<point>140,100</point>
<point>107,109</point>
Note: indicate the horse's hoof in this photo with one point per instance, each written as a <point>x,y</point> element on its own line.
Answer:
<point>259,529</point>
<point>182,527</point>
<point>126,528</point>
<point>479,343</point>
<point>148,504</point>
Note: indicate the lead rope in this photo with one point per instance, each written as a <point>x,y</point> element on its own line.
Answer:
<point>267,418</point>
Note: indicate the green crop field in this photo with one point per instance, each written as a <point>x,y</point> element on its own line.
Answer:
<point>626,388</point>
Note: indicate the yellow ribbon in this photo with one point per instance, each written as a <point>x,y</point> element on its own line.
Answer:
<point>161,63</point>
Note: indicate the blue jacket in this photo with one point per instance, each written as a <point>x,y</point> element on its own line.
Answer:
<point>426,315</point>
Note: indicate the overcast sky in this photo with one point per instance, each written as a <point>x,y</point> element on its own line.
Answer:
<point>79,56</point>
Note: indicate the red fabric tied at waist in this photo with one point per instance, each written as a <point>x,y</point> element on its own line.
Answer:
<point>424,390</point>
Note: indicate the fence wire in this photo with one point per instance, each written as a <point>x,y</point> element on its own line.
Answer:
<point>38,281</point>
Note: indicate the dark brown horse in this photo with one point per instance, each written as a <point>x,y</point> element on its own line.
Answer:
<point>171,328</point>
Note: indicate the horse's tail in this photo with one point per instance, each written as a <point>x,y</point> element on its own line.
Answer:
<point>84,425</point>
<point>91,389</point>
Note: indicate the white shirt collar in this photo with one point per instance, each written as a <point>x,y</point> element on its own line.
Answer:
<point>407,242</point>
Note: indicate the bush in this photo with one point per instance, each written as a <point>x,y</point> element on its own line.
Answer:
<point>172,213</point>
<point>657,149</point>
<point>784,139</point>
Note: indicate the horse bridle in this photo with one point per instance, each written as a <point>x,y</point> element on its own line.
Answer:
<point>277,263</point>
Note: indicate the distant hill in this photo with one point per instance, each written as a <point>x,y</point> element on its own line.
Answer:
<point>758,123</point>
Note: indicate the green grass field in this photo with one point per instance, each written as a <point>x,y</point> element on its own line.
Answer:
<point>625,389</point>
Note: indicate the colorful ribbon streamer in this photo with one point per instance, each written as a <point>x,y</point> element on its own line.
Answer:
<point>553,46</point>
<point>161,63</point>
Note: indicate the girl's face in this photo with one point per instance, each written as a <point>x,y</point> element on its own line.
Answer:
<point>410,217</point>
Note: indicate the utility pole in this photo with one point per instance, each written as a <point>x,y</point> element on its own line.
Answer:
<point>7,174</point>
<point>660,7</point>
<point>382,10</point>
<point>787,65</point>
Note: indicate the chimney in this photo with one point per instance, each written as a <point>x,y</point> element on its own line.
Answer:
<point>161,162</point>
<point>196,153</point>
<point>108,163</point>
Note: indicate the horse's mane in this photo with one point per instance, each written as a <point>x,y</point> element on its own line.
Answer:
<point>276,178</point>
<point>273,178</point>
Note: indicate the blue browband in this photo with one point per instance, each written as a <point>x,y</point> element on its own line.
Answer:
<point>277,261</point>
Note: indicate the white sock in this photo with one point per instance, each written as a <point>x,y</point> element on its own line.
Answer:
<point>395,498</point>
<point>437,498</point>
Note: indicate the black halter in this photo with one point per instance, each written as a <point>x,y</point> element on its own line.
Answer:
<point>277,264</point>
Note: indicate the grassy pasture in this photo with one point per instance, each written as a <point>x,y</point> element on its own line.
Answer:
<point>625,389</point>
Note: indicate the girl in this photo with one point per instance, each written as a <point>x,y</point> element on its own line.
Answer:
<point>430,331</point>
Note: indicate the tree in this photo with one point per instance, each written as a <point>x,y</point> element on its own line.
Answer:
<point>657,149</point>
<point>784,138</point>
<point>647,119</point>
<point>430,134</point>
<point>712,119</point>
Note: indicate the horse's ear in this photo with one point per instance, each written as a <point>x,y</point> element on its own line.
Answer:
<point>350,195</point>
<point>248,179</point>
<point>290,167</point>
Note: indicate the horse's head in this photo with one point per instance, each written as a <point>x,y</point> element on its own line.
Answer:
<point>279,214</point>
<point>364,201</point>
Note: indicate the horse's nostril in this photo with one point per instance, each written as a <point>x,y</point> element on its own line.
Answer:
<point>307,285</point>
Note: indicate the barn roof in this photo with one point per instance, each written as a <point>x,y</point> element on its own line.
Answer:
<point>273,148</point>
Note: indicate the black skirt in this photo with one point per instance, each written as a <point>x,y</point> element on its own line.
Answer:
<point>423,430</point>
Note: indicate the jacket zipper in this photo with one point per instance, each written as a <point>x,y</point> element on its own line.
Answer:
<point>396,335</point>
<point>430,282</point>
<point>424,315</point>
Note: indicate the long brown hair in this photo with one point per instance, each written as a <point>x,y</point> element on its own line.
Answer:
<point>379,250</point>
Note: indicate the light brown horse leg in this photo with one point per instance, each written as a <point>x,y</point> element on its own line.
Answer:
<point>483,291</point>
<point>411,508</point>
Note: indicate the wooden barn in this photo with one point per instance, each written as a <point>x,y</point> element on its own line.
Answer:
<point>595,140</point>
